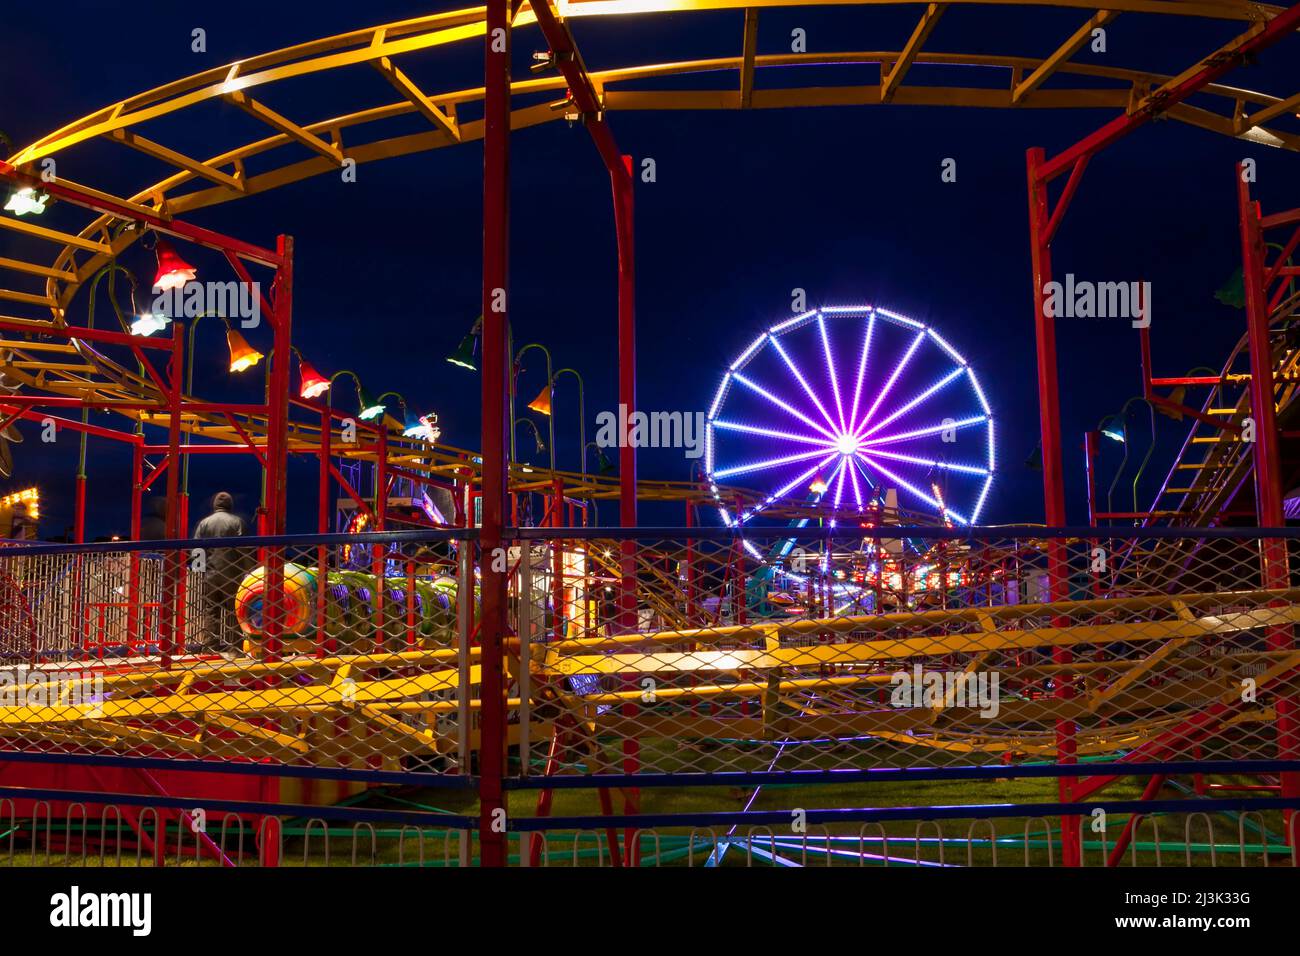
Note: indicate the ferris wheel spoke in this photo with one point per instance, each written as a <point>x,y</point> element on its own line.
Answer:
<point>784,406</point>
<point>859,463</point>
<point>794,370</point>
<point>922,432</point>
<point>830,368</point>
<point>857,490</point>
<point>862,367</point>
<point>893,377</point>
<point>839,486</point>
<point>781,493</point>
<point>900,412</point>
<point>771,433</point>
<point>904,483</point>
<point>771,463</point>
<point>929,462</point>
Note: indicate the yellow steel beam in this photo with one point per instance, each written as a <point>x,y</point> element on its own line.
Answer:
<point>173,158</point>
<point>407,87</point>
<point>29,268</point>
<point>1011,616</point>
<point>749,51</point>
<point>237,78</point>
<point>1062,53</point>
<point>890,82</point>
<point>26,298</point>
<point>1260,117</point>
<point>53,235</point>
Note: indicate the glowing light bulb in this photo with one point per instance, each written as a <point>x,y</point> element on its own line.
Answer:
<point>26,200</point>
<point>149,323</point>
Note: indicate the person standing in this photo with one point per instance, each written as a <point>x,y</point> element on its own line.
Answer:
<point>222,571</point>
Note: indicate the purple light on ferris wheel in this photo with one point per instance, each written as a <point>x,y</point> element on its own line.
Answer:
<point>774,446</point>
<point>830,367</point>
<point>893,377</point>
<point>862,365</point>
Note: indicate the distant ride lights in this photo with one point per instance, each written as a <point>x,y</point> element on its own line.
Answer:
<point>908,413</point>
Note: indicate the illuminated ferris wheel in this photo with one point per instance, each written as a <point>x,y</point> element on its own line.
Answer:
<point>907,413</point>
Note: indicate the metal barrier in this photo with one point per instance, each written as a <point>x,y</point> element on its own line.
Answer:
<point>665,659</point>
<point>1216,833</point>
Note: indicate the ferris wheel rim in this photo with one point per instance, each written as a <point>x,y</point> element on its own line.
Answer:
<point>856,445</point>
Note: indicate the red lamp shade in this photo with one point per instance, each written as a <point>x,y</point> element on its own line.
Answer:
<point>173,271</point>
<point>314,384</point>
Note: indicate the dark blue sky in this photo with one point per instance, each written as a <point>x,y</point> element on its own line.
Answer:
<point>846,203</point>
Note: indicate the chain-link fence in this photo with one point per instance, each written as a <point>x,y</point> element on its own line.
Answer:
<point>331,653</point>
<point>890,648</point>
<point>685,661</point>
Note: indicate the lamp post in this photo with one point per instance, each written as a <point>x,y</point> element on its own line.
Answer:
<point>603,465</point>
<point>549,392</point>
<point>366,408</point>
<point>1115,427</point>
<point>110,270</point>
<point>582,412</point>
<point>464,356</point>
<point>537,433</point>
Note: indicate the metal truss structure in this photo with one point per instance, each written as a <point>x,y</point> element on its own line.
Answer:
<point>349,678</point>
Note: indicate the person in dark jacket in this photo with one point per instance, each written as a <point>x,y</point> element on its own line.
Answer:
<point>222,572</point>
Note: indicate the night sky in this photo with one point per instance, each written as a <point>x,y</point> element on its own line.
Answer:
<point>845,203</point>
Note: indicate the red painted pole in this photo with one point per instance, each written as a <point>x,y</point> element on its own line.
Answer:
<point>557,561</point>
<point>277,445</point>
<point>1268,466</point>
<point>79,518</point>
<point>173,598</point>
<point>495,423</point>
<point>1049,411</point>
<point>381,516</point>
<point>621,181</point>
<point>323,509</point>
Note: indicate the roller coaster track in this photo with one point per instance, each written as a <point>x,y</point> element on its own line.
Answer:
<point>804,691</point>
<point>276,709</point>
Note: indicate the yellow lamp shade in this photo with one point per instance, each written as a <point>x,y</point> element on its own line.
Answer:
<point>542,403</point>
<point>242,355</point>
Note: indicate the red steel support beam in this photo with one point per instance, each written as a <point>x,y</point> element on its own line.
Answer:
<point>1045,328</point>
<point>173,583</point>
<point>586,100</point>
<point>105,205</point>
<point>1053,473</point>
<point>495,425</point>
<point>1176,90</point>
<point>89,335</point>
